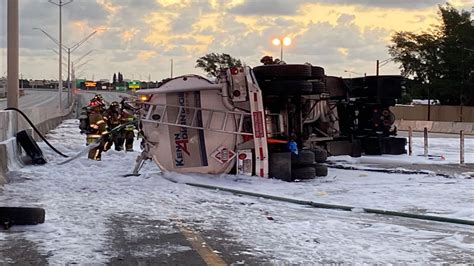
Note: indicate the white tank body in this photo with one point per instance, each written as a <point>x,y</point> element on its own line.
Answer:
<point>185,149</point>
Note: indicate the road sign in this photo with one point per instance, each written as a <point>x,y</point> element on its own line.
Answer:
<point>134,84</point>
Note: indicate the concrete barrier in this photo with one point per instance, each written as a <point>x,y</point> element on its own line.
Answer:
<point>10,158</point>
<point>404,125</point>
<point>424,124</point>
<point>436,126</point>
<point>443,127</point>
<point>44,118</point>
<point>444,113</point>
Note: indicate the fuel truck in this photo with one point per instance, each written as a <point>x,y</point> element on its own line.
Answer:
<point>274,120</point>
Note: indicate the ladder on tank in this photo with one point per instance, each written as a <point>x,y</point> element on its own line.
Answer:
<point>216,120</point>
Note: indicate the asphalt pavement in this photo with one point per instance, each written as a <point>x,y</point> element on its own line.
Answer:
<point>37,98</point>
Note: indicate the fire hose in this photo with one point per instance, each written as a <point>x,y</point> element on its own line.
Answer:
<point>332,206</point>
<point>37,131</point>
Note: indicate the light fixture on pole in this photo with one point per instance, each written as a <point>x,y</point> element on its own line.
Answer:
<point>286,41</point>
<point>83,64</point>
<point>60,4</point>
<point>353,72</point>
<point>69,50</point>
<point>79,59</point>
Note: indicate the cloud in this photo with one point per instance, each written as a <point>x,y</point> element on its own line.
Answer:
<point>386,3</point>
<point>288,8</point>
<point>266,7</point>
<point>337,34</point>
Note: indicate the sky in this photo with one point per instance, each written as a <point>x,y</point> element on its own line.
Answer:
<point>140,38</point>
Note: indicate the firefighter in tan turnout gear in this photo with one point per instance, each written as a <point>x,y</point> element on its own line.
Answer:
<point>129,133</point>
<point>92,122</point>
<point>114,119</point>
<point>118,115</point>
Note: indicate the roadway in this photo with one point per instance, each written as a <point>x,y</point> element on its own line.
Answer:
<point>35,98</point>
<point>46,97</point>
<point>109,96</point>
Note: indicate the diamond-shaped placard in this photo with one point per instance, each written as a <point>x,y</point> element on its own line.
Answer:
<point>223,155</point>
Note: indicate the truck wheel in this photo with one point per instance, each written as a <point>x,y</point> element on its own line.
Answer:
<point>286,87</point>
<point>317,72</point>
<point>319,87</point>
<point>304,157</point>
<point>282,71</point>
<point>321,170</point>
<point>372,146</point>
<point>356,148</point>
<point>320,155</point>
<point>303,173</point>
<point>395,146</point>
<point>21,216</point>
<point>280,165</point>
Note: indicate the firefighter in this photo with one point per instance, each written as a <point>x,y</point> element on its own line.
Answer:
<point>129,133</point>
<point>96,127</point>
<point>114,119</point>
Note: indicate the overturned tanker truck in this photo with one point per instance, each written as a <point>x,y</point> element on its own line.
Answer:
<point>279,120</point>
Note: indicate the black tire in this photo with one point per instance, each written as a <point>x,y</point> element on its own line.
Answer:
<point>295,71</point>
<point>372,146</point>
<point>356,149</point>
<point>320,155</point>
<point>304,157</point>
<point>21,216</point>
<point>280,165</point>
<point>31,147</point>
<point>394,146</point>
<point>317,72</point>
<point>319,87</point>
<point>321,170</point>
<point>286,87</point>
<point>303,173</point>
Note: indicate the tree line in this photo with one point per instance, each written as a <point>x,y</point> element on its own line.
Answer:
<point>440,61</point>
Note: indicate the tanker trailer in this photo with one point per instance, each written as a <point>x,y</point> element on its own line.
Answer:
<point>193,125</point>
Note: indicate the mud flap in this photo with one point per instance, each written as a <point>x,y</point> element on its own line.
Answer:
<point>30,147</point>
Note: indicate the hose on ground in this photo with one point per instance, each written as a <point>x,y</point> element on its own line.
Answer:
<point>333,206</point>
<point>37,131</point>
<point>388,171</point>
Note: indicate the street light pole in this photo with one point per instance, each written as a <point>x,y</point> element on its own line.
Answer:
<point>171,65</point>
<point>12,54</point>
<point>282,42</point>
<point>60,4</point>
<point>281,51</point>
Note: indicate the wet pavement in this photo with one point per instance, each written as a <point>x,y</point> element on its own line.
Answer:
<point>137,240</point>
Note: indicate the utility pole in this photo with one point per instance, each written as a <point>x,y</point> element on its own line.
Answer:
<point>377,68</point>
<point>171,68</point>
<point>149,80</point>
<point>12,53</point>
<point>60,4</point>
